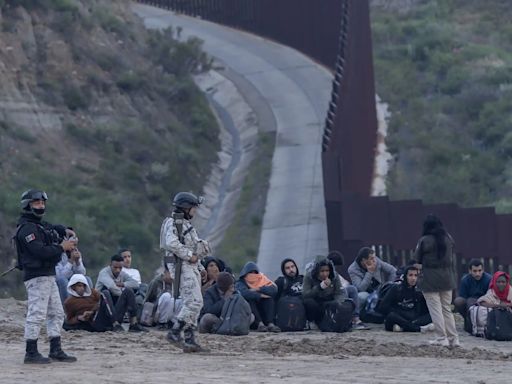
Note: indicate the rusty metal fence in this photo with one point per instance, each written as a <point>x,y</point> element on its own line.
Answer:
<point>337,34</point>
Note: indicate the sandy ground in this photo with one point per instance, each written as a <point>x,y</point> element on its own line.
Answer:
<point>372,356</point>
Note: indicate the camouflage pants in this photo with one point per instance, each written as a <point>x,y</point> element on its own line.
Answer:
<point>190,292</point>
<point>43,304</point>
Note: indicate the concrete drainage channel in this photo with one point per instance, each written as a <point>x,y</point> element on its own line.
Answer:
<point>239,124</point>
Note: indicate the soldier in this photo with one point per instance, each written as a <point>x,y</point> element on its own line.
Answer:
<point>40,246</point>
<point>182,245</point>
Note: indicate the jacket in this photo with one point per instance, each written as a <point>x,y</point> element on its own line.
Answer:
<point>244,289</point>
<point>437,274</point>
<point>37,242</point>
<point>405,300</point>
<point>75,305</point>
<point>469,287</point>
<point>213,301</point>
<point>313,290</point>
<point>366,281</point>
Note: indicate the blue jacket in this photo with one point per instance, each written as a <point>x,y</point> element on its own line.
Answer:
<point>469,287</point>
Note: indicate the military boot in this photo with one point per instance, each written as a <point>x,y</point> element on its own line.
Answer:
<point>190,344</point>
<point>174,335</point>
<point>56,352</point>
<point>32,355</point>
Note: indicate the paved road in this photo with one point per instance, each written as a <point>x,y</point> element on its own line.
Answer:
<point>297,91</point>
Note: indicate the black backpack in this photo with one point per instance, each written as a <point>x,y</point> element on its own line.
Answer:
<point>235,316</point>
<point>337,316</point>
<point>499,325</point>
<point>291,314</point>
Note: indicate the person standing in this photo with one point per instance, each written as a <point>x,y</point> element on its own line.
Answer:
<point>39,248</point>
<point>434,253</point>
<point>181,243</point>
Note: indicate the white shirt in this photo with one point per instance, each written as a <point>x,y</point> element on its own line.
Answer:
<point>134,274</point>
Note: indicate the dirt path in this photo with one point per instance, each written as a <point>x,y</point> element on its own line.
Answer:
<point>373,356</point>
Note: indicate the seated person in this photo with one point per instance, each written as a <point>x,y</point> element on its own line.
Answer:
<point>259,291</point>
<point>214,299</point>
<point>321,286</point>
<point>499,294</point>
<point>290,284</point>
<point>89,310</point>
<point>472,286</point>
<point>134,273</point>
<point>71,263</point>
<point>113,279</point>
<point>337,260</point>
<point>405,307</point>
<point>213,267</point>
<point>160,293</point>
<point>368,273</point>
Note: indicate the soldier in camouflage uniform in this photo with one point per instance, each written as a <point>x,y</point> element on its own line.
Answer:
<point>191,250</point>
<point>40,246</point>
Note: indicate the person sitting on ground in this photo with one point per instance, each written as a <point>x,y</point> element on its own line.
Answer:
<point>213,267</point>
<point>472,286</point>
<point>71,263</point>
<point>290,284</point>
<point>119,284</point>
<point>499,294</point>
<point>214,299</point>
<point>160,293</point>
<point>337,260</point>
<point>368,273</point>
<point>321,286</point>
<point>405,307</point>
<point>89,310</point>
<point>134,273</point>
<point>260,292</point>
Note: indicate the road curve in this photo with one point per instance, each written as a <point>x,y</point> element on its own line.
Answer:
<point>297,91</point>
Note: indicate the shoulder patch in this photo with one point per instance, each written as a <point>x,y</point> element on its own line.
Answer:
<point>30,238</point>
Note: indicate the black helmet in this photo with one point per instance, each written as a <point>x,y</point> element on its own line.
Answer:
<point>32,195</point>
<point>186,200</point>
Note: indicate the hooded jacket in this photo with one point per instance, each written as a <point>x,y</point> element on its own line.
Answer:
<point>244,289</point>
<point>366,281</point>
<point>289,286</point>
<point>76,305</point>
<point>405,300</point>
<point>313,290</point>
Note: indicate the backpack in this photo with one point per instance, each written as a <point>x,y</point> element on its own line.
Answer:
<point>235,316</point>
<point>291,314</point>
<point>499,325</point>
<point>337,316</point>
<point>478,316</point>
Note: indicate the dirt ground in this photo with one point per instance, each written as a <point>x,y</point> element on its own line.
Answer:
<point>372,356</point>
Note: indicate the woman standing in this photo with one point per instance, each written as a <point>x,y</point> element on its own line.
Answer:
<point>434,253</point>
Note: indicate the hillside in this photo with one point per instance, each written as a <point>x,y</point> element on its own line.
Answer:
<point>445,68</point>
<point>105,117</point>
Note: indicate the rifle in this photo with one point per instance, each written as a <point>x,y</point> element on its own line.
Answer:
<point>9,270</point>
<point>178,222</point>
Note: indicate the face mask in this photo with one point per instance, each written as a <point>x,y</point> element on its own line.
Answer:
<point>38,212</point>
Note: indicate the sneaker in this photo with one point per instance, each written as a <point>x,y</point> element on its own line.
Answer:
<point>118,328</point>
<point>137,328</point>
<point>312,326</point>
<point>397,328</point>
<point>273,328</point>
<point>262,328</point>
<point>360,326</point>
<point>427,328</point>
<point>455,343</point>
<point>442,342</point>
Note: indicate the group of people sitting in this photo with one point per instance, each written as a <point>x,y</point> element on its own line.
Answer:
<point>377,293</point>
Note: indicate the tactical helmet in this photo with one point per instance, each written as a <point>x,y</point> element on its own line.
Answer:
<point>31,195</point>
<point>186,200</point>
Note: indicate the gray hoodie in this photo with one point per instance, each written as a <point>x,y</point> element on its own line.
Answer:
<point>362,279</point>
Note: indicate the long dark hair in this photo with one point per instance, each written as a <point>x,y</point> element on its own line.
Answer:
<point>434,227</point>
